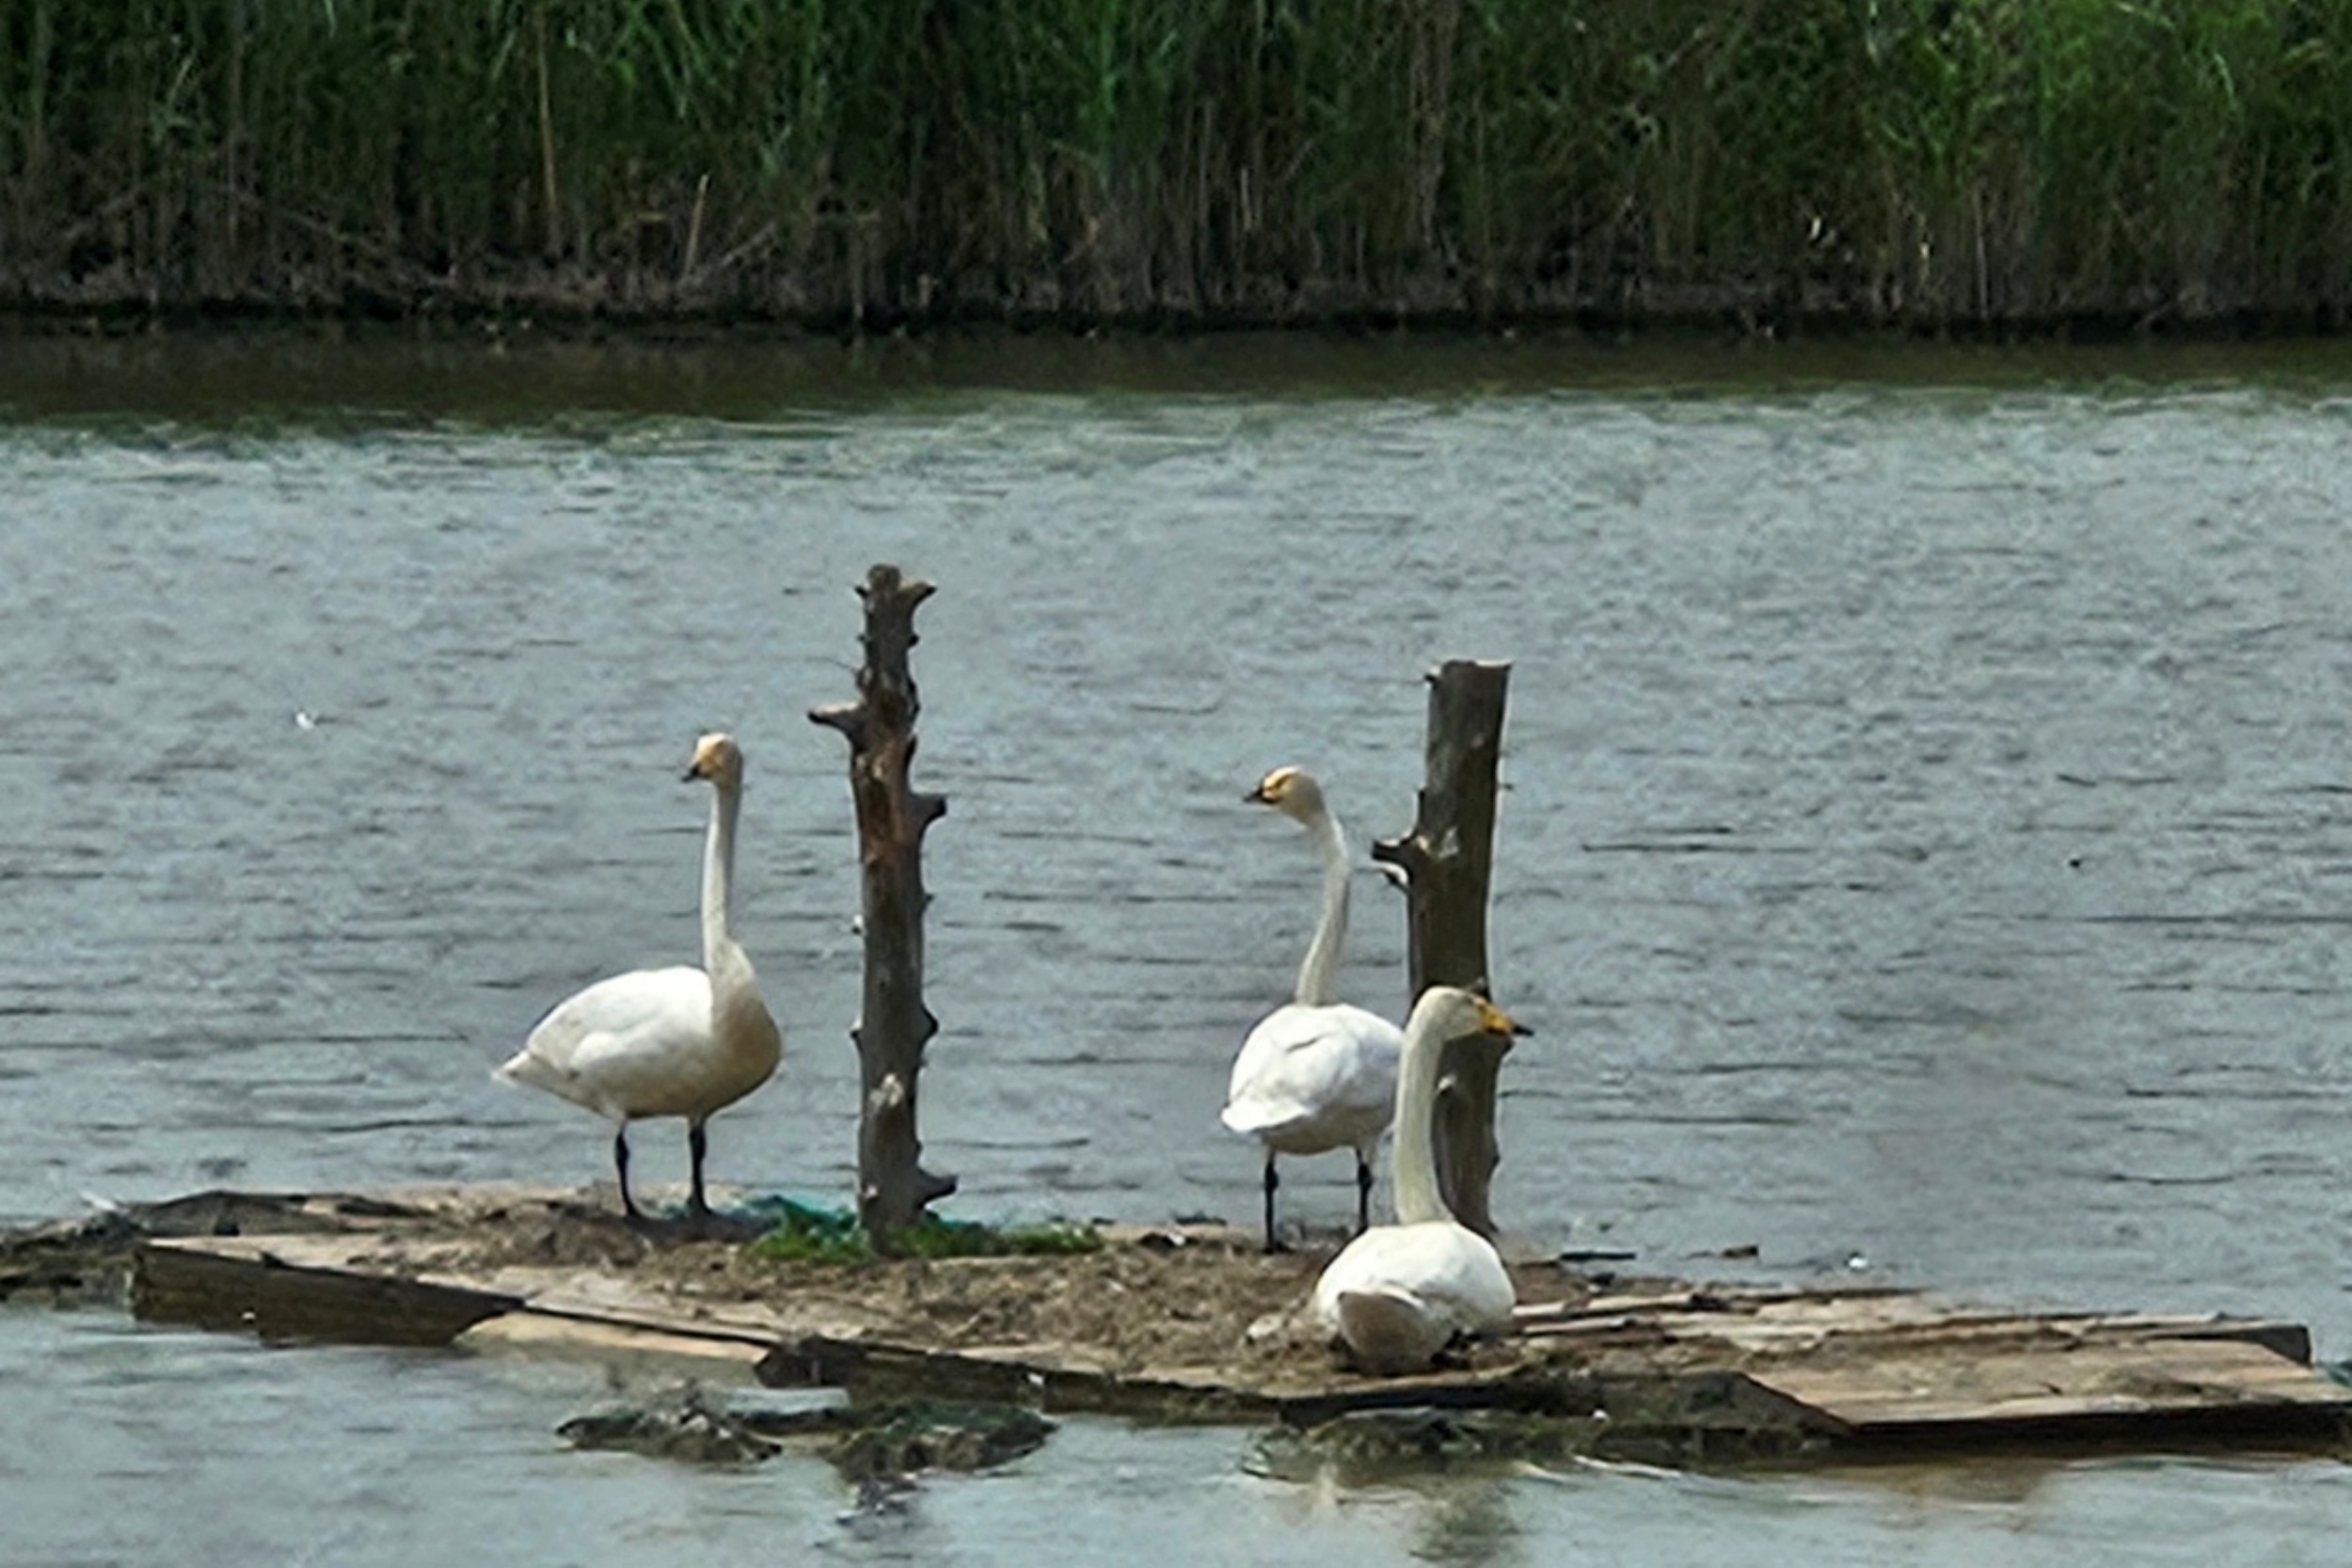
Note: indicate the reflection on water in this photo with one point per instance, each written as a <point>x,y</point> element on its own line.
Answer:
<point>1466,1521</point>
<point>1926,841</point>
<point>1455,1515</point>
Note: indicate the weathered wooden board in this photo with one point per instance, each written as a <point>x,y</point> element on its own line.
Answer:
<point>1794,1322</point>
<point>704,1356</point>
<point>248,1283</point>
<point>1916,1395</point>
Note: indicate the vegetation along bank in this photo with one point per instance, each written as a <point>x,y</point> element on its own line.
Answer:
<point>1969,165</point>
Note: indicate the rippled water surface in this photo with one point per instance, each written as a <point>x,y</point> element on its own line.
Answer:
<point>1928,850</point>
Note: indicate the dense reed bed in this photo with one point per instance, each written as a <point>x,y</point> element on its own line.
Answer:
<point>1967,162</point>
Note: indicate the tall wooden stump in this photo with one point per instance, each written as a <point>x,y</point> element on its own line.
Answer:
<point>893,1024</point>
<point>1448,863</point>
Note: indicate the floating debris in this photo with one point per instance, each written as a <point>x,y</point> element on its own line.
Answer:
<point>869,1444</point>
<point>681,1425</point>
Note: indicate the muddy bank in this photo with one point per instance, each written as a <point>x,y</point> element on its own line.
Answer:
<point>567,303</point>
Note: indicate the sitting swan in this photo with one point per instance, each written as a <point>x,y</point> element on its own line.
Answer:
<point>1315,1074</point>
<point>1400,1294</point>
<point>666,1042</point>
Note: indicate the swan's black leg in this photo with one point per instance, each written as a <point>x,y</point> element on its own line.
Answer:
<point>620,1164</point>
<point>1363,1192</point>
<point>1272,1182</point>
<point>696,1147</point>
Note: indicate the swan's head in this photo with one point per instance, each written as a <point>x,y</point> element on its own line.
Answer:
<point>1291,791</point>
<point>719,759</point>
<point>1451,1013</point>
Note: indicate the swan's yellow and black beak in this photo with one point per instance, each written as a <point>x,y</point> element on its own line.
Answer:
<point>716,758</point>
<point>1273,788</point>
<point>1496,1021</point>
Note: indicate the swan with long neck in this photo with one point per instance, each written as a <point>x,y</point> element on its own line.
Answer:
<point>1315,1074</point>
<point>1398,1295</point>
<point>667,1042</point>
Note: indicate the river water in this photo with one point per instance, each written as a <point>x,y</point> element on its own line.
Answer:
<point>1926,856</point>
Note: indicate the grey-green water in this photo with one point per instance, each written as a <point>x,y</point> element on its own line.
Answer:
<point>1926,851</point>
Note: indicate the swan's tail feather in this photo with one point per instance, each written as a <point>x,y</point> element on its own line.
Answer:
<point>1389,1330</point>
<point>534,1071</point>
<point>1255,1119</point>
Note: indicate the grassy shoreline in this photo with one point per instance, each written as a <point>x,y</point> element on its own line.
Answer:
<point>1962,167</point>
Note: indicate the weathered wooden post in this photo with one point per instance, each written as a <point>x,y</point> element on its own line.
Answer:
<point>893,1024</point>
<point>1448,863</point>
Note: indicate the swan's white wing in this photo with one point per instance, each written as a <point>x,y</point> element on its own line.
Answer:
<point>625,1047</point>
<point>1314,1078</point>
<point>1448,1266</point>
<point>1399,1293</point>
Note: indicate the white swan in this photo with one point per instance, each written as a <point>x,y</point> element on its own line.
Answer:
<point>666,1042</point>
<point>1400,1294</point>
<point>1315,1074</point>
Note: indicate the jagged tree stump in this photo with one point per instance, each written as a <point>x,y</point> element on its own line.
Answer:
<point>1448,864</point>
<point>892,1026</point>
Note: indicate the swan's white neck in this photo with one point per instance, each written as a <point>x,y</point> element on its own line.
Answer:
<point>718,880</point>
<point>1419,1198</point>
<point>1319,975</point>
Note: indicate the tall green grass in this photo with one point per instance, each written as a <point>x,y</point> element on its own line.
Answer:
<point>1930,162</point>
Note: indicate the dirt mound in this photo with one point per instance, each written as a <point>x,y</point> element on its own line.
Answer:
<point>1163,1296</point>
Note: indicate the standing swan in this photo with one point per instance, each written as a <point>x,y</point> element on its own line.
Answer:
<point>1400,1294</point>
<point>1315,1074</point>
<point>666,1042</point>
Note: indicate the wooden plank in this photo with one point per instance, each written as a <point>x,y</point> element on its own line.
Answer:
<point>1055,1382</point>
<point>529,1333</point>
<point>226,1282</point>
<point>2154,1378</point>
<point>1789,1323</point>
<point>1714,1299</point>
